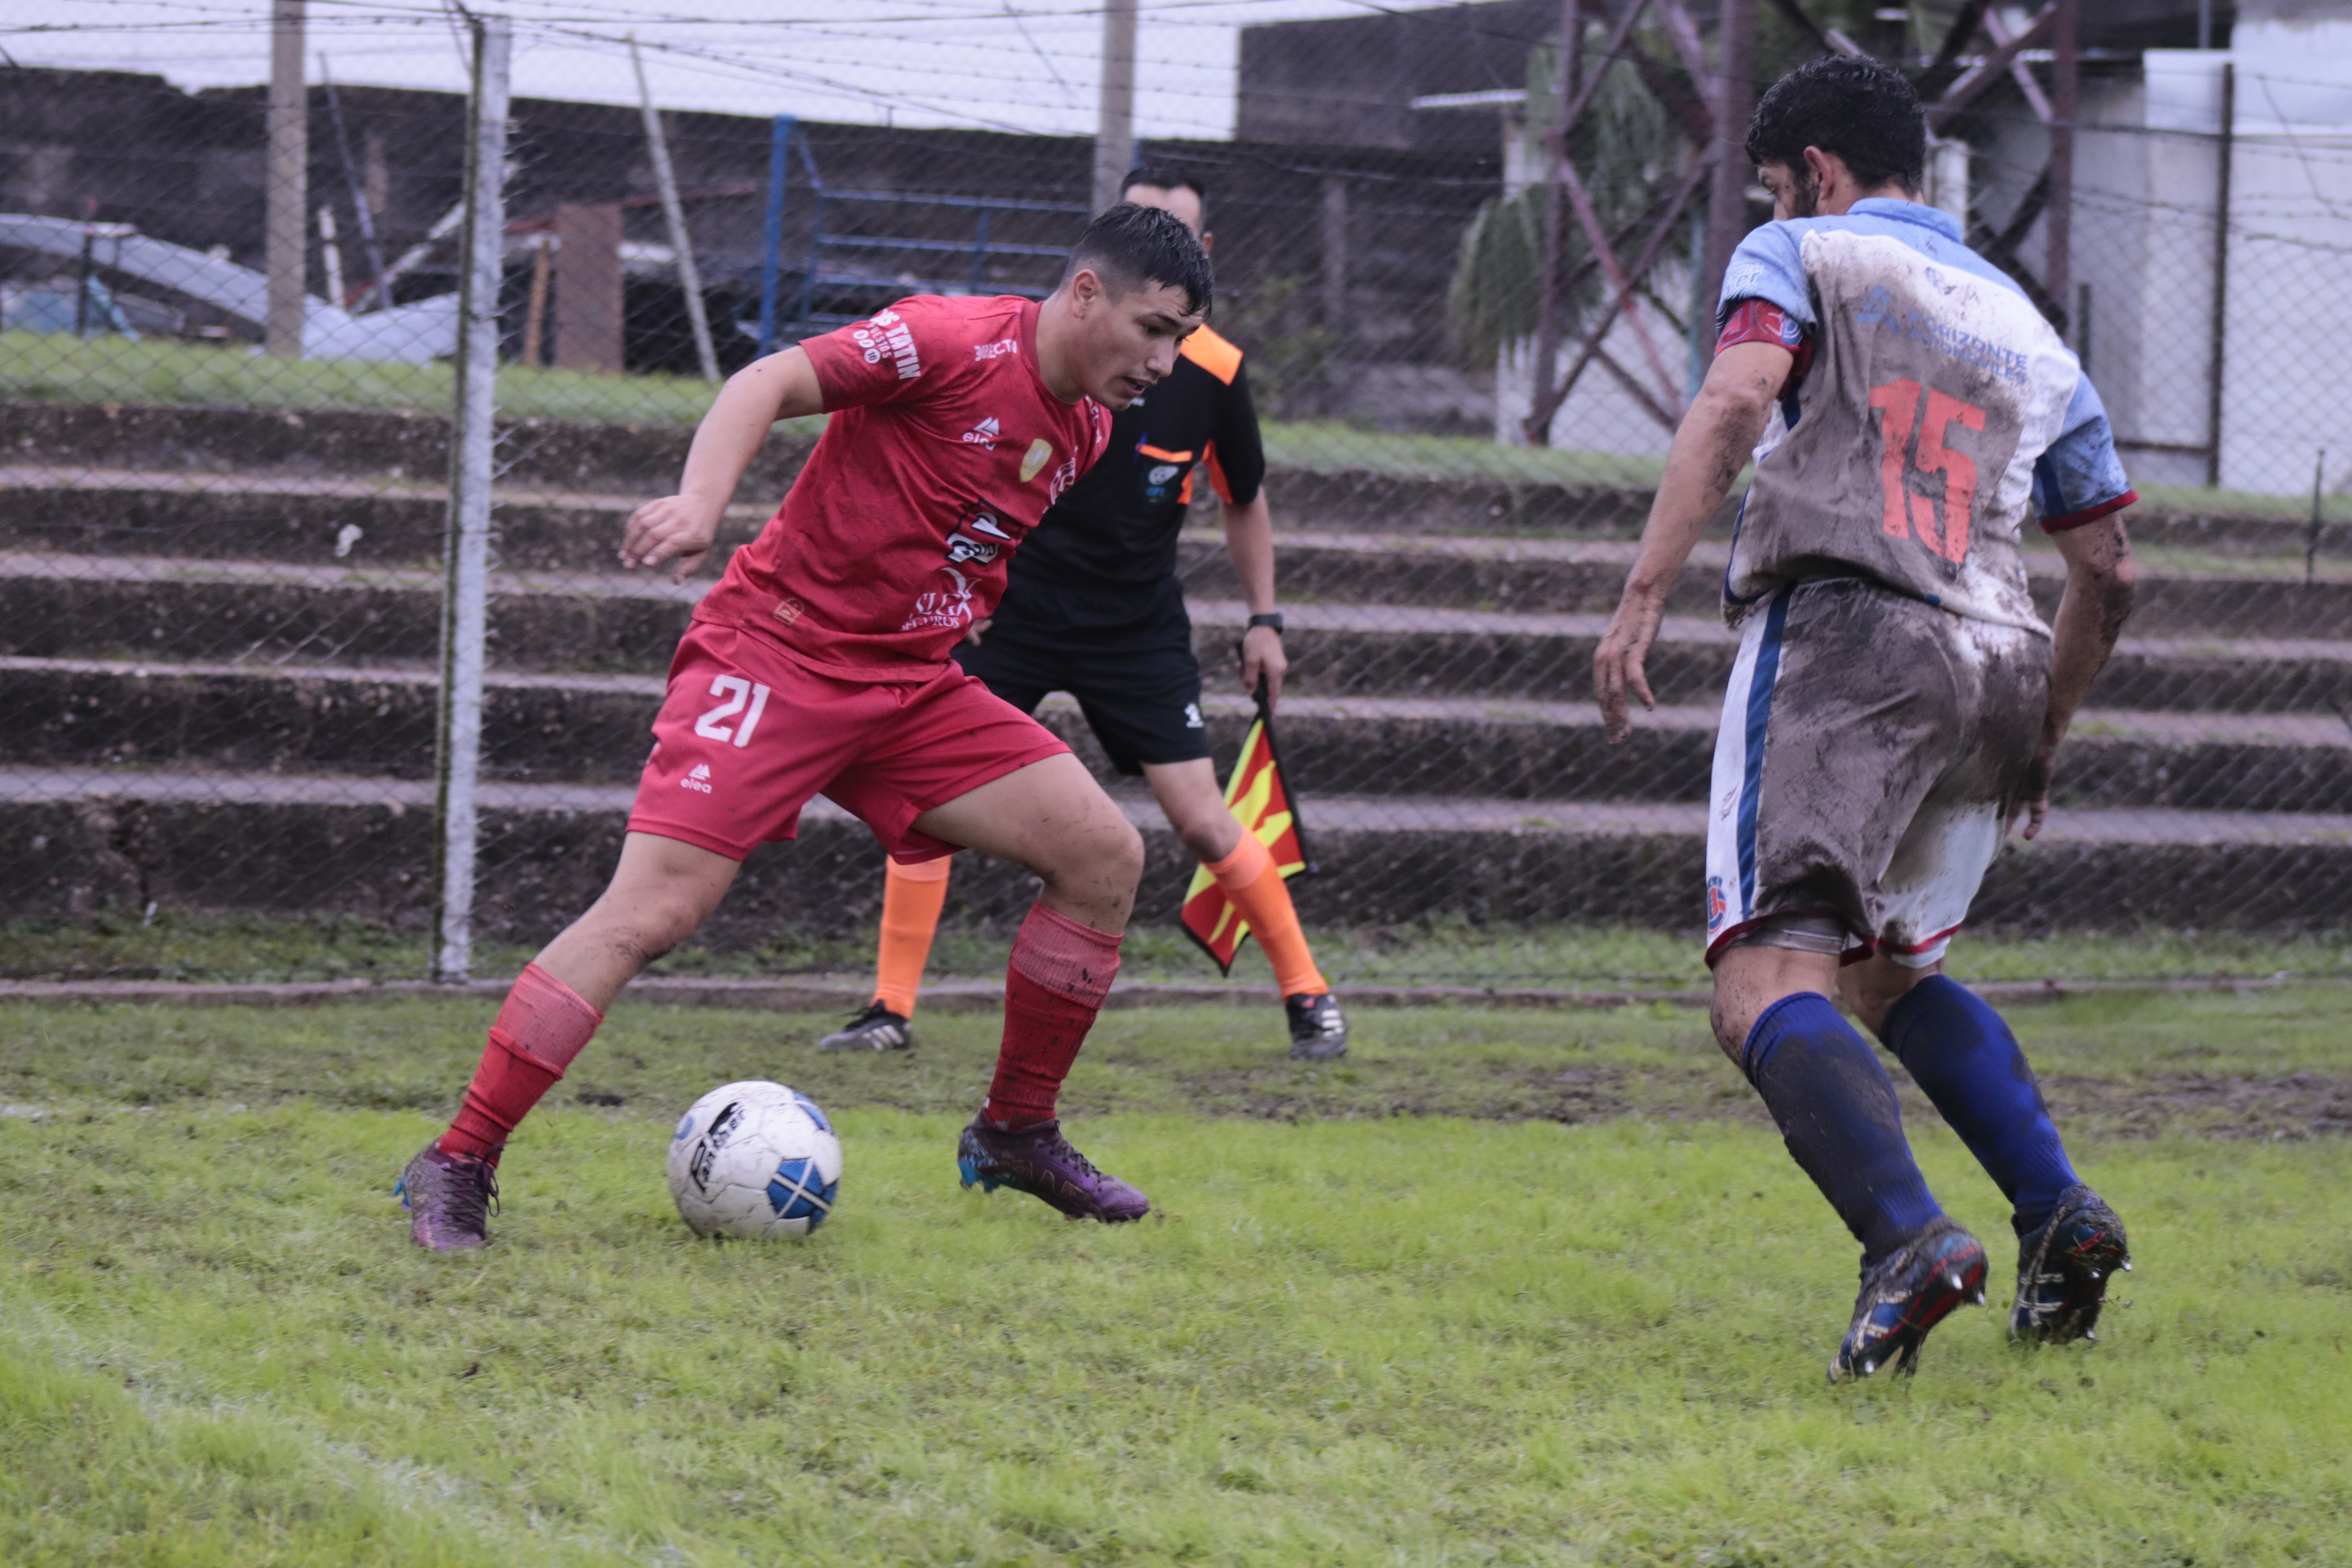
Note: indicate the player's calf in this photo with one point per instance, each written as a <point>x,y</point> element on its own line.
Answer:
<point>660,892</point>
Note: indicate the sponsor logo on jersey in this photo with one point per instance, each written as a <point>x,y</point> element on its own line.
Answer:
<point>698,780</point>
<point>983,434</point>
<point>1064,478</point>
<point>996,350</point>
<point>1718,906</point>
<point>948,608</point>
<point>1879,310</point>
<point>964,550</point>
<point>886,334</point>
<point>788,610</point>
<point>1162,473</point>
<point>1040,453</point>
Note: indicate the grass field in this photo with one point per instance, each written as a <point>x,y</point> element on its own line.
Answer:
<point>1501,1287</point>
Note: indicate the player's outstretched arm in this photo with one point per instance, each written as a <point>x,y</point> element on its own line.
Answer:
<point>1724,424</point>
<point>1249,542</point>
<point>2098,600</point>
<point>680,528</point>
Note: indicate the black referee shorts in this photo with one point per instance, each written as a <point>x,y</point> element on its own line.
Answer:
<point>1137,684</point>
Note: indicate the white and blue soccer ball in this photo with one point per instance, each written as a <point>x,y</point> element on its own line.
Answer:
<point>754,1160</point>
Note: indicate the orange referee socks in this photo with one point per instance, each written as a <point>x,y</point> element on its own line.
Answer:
<point>1250,880</point>
<point>912,897</point>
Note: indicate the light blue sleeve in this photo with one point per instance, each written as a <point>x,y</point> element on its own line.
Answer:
<point>2079,477</point>
<point>1768,265</point>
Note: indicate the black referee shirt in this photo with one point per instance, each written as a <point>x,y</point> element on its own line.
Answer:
<point>1113,536</point>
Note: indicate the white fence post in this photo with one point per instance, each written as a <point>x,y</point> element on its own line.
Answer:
<point>464,616</point>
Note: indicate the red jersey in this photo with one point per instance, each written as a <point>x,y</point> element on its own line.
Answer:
<point>944,448</point>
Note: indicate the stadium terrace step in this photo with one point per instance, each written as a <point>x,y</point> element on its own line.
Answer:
<point>80,839</point>
<point>309,520</point>
<point>643,460</point>
<point>592,729</point>
<point>123,607</point>
<point>367,523</point>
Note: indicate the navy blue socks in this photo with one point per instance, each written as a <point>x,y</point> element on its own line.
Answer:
<point>1967,1064</point>
<point>1835,1107</point>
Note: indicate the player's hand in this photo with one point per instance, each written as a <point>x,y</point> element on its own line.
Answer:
<point>2033,794</point>
<point>672,529</point>
<point>1262,658</point>
<point>979,630</point>
<point>1618,664</point>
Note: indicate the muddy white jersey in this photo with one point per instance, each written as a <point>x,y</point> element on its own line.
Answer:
<point>1932,410</point>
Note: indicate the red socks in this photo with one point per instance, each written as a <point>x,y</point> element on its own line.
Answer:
<point>542,1026</point>
<point>1053,986</point>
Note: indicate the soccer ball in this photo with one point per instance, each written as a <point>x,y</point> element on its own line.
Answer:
<point>754,1160</point>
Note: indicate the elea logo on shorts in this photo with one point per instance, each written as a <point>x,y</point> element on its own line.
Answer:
<point>698,780</point>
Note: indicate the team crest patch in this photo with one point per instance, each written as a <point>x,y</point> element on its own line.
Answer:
<point>1040,453</point>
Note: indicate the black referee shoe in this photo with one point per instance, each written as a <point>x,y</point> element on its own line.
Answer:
<point>1318,1030</point>
<point>876,1029</point>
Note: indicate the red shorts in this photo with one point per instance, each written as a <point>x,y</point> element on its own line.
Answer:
<point>747,736</point>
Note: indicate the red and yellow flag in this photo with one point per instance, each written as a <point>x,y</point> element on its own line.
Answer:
<point>1258,798</point>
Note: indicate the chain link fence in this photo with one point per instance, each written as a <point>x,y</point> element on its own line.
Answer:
<point>229,362</point>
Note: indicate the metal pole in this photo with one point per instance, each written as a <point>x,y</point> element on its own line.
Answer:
<point>286,204</point>
<point>352,177</point>
<point>2226,146</point>
<point>666,181</point>
<point>465,619</point>
<point>2058,222</point>
<point>1735,100</point>
<point>772,240</point>
<point>1565,87</point>
<point>1115,125</point>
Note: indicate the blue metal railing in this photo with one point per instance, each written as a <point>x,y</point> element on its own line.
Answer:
<point>815,274</point>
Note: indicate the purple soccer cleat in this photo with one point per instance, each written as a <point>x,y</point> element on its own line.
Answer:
<point>1916,1288</point>
<point>449,1199</point>
<point>1040,1161</point>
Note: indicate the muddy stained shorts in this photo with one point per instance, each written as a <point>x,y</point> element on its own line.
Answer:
<point>747,736</point>
<point>1872,752</point>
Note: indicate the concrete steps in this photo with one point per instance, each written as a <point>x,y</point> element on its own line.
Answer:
<point>592,729</point>
<point>356,846</point>
<point>218,630</point>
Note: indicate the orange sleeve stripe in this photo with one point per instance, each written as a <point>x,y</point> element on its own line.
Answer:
<point>1213,354</point>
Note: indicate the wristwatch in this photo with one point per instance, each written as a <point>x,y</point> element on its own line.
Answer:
<point>1272,619</point>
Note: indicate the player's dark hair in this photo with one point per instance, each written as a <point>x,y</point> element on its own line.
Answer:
<point>1131,247</point>
<point>1861,110</point>
<point>1159,176</point>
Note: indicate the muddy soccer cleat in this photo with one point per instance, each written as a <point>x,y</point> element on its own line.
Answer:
<point>449,1199</point>
<point>876,1029</point>
<point>2063,1269</point>
<point>1906,1295</point>
<point>1318,1031</point>
<point>1041,1163</point>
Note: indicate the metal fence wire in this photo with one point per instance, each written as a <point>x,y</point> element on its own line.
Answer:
<point>308,605</point>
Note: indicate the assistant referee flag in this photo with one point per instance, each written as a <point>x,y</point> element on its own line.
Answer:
<point>1259,799</point>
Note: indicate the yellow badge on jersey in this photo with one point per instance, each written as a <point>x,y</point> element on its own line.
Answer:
<point>1040,453</point>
